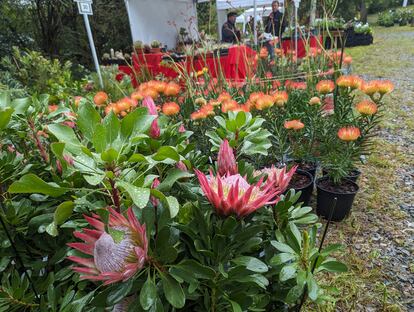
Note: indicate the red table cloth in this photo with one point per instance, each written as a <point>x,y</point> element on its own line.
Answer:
<point>289,44</point>
<point>236,65</point>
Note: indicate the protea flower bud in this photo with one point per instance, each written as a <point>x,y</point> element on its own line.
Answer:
<point>180,165</point>
<point>155,202</point>
<point>114,257</point>
<point>155,130</point>
<point>226,160</point>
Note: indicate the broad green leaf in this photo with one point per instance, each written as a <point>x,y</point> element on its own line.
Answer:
<point>196,269</point>
<point>240,119</point>
<point>119,292</point>
<point>21,105</point>
<point>137,158</point>
<point>5,99</point>
<point>173,291</point>
<point>31,183</point>
<point>148,294</point>
<point>251,263</point>
<point>172,176</point>
<point>99,138</point>
<point>66,135</point>
<point>112,126</point>
<point>88,119</point>
<point>287,272</point>
<point>166,152</point>
<point>136,122</point>
<point>52,230</point>
<point>282,258</point>
<point>333,266</point>
<point>330,249</point>
<point>235,306</point>
<point>282,247</point>
<point>296,233</point>
<point>173,206</point>
<point>312,287</point>
<point>63,212</point>
<point>5,116</point>
<point>140,196</point>
<point>294,294</point>
<point>109,155</point>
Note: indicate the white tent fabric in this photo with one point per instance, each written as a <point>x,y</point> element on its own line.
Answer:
<point>161,20</point>
<point>246,15</point>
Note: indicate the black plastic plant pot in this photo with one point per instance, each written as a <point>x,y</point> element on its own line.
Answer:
<point>353,175</point>
<point>326,192</point>
<point>305,188</point>
<point>308,167</point>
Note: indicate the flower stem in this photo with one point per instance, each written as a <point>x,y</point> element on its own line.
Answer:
<point>115,196</point>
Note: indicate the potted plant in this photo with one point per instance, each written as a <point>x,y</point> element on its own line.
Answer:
<point>338,161</point>
<point>155,46</point>
<point>138,47</point>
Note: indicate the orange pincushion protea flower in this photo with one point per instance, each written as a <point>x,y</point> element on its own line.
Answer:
<point>370,88</point>
<point>137,95</point>
<point>200,101</point>
<point>315,101</point>
<point>214,102</point>
<point>294,124</point>
<point>100,98</point>
<point>255,96</point>
<point>112,260</point>
<point>171,109</point>
<point>349,133</point>
<point>223,97</point>
<point>229,105</point>
<point>264,102</point>
<point>385,86</point>
<point>77,100</point>
<point>347,60</point>
<point>172,89</point>
<point>160,86</point>
<point>325,86</point>
<point>280,98</point>
<point>207,109</point>
<point>150,92</point>
<point>52,108</point>
<point>198,115</point>
<point>112,107</point>
<point>344,81</point>
<point>367,108</point>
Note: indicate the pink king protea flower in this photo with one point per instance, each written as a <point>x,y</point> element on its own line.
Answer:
<point>226,161</point>
<point>112,261</point>
<point>232,194</point>
<point>279,178</point>
<point>155,131</point>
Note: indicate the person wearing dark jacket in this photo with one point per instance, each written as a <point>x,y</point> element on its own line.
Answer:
<point>229,32</point>
<point>276,24</point>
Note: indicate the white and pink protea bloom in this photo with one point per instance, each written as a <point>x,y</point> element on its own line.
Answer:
<point>155,130</point>
<point>111,260</point>
<point>233,195</point>
<point>277,177</point>
<point>226,161</point>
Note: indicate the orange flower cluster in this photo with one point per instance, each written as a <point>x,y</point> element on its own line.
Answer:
<point>314,52</point>
<point>377,86</point>
<point>349,133</point>
<point>100,98</point>
<point>367,108</point>
<point>155,88</point>
<point>349,81</point>
<point>315,101</point>
<point>325,86</point>
<point>295,85</point>
<point>170,108</point>
<point>122,107</point>
<point>294,124</point>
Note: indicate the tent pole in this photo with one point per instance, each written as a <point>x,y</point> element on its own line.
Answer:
<point>255,21</point>
<point>129,18</point>
<point>296,27</point>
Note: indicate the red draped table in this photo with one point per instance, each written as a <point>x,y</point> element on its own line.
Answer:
<point>237,65</point>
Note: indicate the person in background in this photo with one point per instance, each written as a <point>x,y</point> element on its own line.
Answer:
<point>276,25</point>
<point>229,32</point>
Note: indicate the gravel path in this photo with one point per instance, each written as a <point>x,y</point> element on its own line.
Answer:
<point>379,235</point>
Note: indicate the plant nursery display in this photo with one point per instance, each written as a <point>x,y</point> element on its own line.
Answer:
<point>183,194</point>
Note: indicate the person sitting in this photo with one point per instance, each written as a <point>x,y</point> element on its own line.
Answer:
<point>229,32</point>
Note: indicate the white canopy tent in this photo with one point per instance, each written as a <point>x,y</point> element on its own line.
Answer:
<point>161,20</point>
<point>246,15</point>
